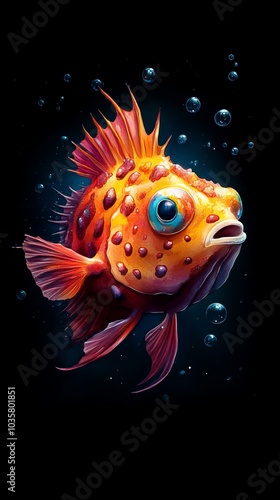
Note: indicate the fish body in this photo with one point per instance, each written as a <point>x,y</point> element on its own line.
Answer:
<point>145,236</point>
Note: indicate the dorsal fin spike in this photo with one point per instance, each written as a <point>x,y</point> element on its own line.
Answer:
<point>121,147</point>
<point>101,133</point>
<point>123,137</point>
<point>92,145</point>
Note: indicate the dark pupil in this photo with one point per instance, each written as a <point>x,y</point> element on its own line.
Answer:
<point>167,210</point>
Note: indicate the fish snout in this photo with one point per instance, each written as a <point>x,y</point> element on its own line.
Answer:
<point>227,232</point>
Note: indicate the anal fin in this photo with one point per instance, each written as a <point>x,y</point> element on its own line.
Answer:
<point>162,345</point>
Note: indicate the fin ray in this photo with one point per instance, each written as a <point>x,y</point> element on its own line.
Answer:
<point>108,339</point>
<point>162,345</point>
<point>59,271</point>
<point>123,137</point>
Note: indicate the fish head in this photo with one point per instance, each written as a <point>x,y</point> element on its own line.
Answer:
<point>170,225</point>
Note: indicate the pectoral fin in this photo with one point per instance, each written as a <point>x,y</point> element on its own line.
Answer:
<point>57,270</point>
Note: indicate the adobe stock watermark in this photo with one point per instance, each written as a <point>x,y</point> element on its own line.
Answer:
<point>130,441</point>
<point>87,309</point>
<point>259,480</point>
<point>223,7</point>
<point>264,137</point>
<point>255,319</point>
<point>140,93</point>
<point>30,27</point>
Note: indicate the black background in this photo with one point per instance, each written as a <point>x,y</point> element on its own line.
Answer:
<point>226,425</point>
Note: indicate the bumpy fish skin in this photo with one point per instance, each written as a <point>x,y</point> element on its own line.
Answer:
<point>145,236</point>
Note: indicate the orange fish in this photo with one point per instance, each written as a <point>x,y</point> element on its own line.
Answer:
<point>145,236</point>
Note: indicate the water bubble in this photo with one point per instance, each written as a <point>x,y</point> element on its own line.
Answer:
<point>210,340</point>
<point>64,139</point>
<point>232,76</point>
<point>182,139</point>
<point>224,145</point>
<point>182,372</point>
<point>21,294</point>
<point>216,313</point>
<point>250,144</point>
<point>96,84</point>
<point>149,75</point>
<point>40,102</point>
<point>231,57</point>
<point>236,64</point>
<point>67,77</point>
<point>234,151</point>
<point>39,188</point>
<point>193,105</point>
<point>222,117</point>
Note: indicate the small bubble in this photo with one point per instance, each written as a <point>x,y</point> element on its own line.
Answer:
<point>182,139</point>
<point>182,372</point>
<point>39,188</point>
<point>40,102</point>
<point>222,117</point>
<point>233,76</point>
<point>210,340</point>
<point>96,84</point>
<point>67,77</point>
<point>216,313</point>
<point>193,105</point>
<point>236,64</point>
<point>149,75</point>
<point>64,140</point>
<point>231,57</point>
<point>250,144</point>
<point>224,145</point>
<point>234,151</point>
<point>21,294</point>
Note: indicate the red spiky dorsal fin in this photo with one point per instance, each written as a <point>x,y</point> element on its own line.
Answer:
<point>162,345</point>
<point>124,137</point>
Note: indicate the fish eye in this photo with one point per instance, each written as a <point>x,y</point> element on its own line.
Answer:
<point>167,210</point>
<point>170,210</point>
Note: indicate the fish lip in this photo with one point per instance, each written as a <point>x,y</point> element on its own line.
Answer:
<point>234,239</point>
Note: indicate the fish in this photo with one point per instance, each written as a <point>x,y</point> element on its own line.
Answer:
<point>145,236</point>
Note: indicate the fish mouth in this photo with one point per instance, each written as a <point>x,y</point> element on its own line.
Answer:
<point>226,233</point>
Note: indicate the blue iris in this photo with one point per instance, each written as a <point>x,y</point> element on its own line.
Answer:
<point>164,215</point>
